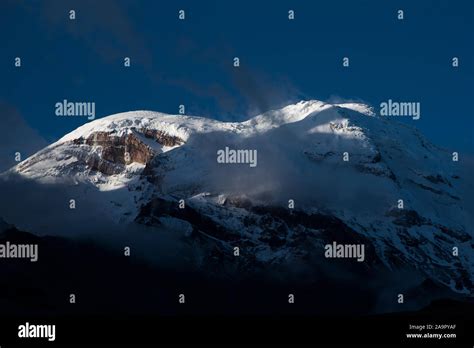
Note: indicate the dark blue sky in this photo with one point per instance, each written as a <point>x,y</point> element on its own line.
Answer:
<point>190,62</point>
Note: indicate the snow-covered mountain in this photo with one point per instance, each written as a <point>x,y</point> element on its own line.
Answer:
<point>345,168</point>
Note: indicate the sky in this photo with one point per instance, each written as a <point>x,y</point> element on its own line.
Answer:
<point>282,61</point>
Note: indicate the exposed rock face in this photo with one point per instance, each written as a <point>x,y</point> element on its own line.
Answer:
<point>117,151</point>
<point>125,149</point>
<point>161,137</point>
<point>103,166</point>
<point>406,217</point>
